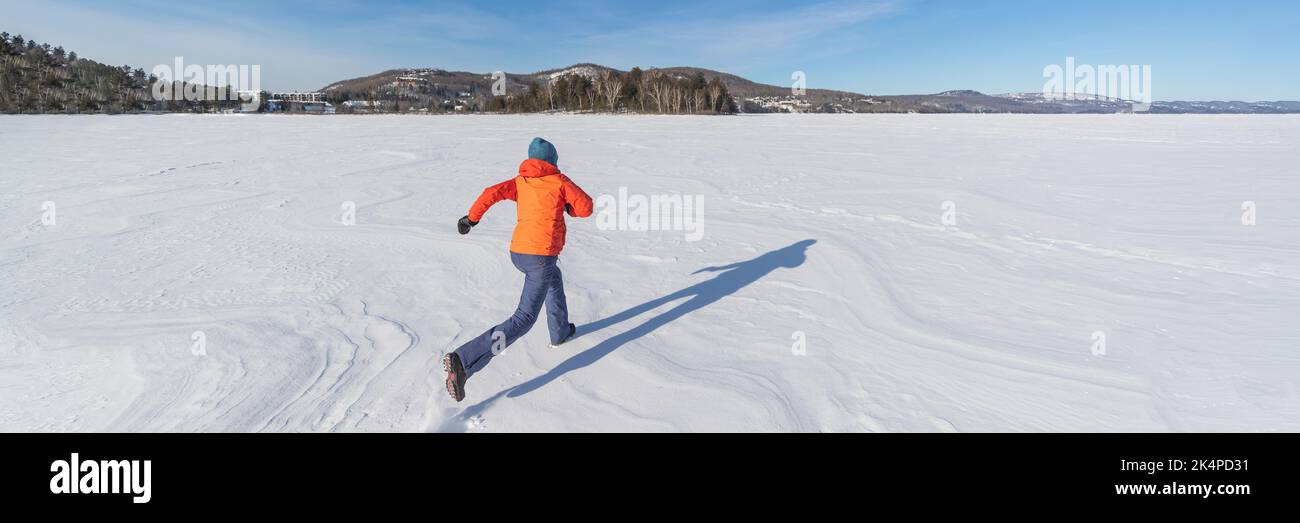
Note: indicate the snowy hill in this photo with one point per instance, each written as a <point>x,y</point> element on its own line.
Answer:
<point>439,84</point>
<point>588,71</point>
<point>1095,274</point>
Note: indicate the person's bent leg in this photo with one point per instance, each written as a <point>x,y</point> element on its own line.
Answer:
<point>476,353</point>
<point>557,309</point>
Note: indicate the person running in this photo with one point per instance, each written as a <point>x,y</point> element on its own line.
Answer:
<point>543,196</point>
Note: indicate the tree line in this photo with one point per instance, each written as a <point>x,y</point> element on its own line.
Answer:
<point>40,78</point>
<point>613,91</point>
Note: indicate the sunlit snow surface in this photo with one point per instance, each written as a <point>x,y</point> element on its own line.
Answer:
<point>824,233</point>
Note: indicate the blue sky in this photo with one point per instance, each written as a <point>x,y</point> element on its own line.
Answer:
<point>1197,49</point>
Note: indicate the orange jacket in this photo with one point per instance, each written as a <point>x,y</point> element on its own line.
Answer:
<point>541,192</point>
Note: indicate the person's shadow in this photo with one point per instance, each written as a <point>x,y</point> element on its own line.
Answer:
<point>731,278</point>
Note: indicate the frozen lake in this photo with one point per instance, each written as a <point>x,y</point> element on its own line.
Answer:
<point>871,273</point>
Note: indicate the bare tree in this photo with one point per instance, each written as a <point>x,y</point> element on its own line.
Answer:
<point>697,100</point>
<point>715,95</point>
<point>592,93</point>
<point>658,87</point>
<point>611,85</point>
<point>676,93</point>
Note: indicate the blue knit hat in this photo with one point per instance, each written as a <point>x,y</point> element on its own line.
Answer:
<point>543,150</point>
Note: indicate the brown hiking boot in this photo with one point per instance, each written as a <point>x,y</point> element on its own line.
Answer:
<point>455,376</point>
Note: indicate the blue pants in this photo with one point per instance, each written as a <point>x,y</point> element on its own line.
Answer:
<point>542,284</point>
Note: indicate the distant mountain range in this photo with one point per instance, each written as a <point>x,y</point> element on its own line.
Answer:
<point>48,79</point>
<point>457,87</point>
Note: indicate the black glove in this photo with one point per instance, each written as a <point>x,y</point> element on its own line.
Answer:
<point>465,224</point>
<point>569,209</point>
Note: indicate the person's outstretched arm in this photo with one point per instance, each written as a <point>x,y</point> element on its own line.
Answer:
<point>501,191</point>
<point>576,201</point>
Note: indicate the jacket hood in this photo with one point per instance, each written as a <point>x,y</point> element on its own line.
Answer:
<point>534,168</point>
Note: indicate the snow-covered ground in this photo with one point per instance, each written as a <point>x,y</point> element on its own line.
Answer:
<point>825,230</point>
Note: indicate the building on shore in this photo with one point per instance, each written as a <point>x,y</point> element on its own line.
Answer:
<point>296,102</point>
